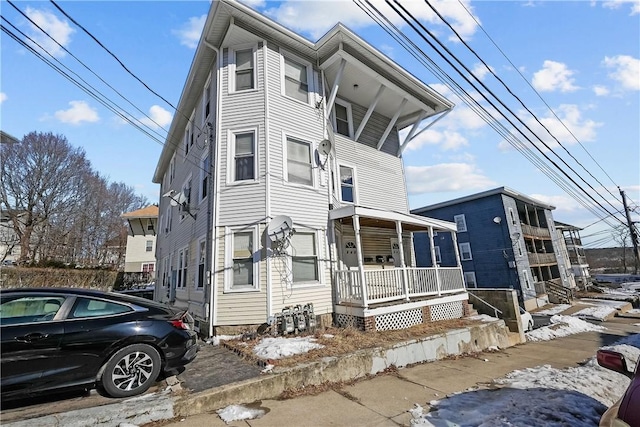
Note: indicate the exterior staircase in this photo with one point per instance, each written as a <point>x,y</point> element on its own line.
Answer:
<point>558,294</point>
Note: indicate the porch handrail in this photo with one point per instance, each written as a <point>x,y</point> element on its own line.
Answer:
<point>495,309</point>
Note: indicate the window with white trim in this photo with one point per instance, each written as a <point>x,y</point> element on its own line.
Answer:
<point>150,226</point>
<point>186,207</point>
<point>243,69</point>
<point>183,266</point>
<point>347,184</point>
<point>149,246</point>
<point>243,271</point>
<point>244,156</point>
<point>470,279</point>
<point>172,169</point>
<point>525,278</point>
<point>206,101</point>
<point>437,251</point>
<point>168,220</point>
<point>205,167</point>
<point>465,251</point>
<point>202,255</point>
<point>343,120</point>
<point>512,217</point>
<point>299,169</point>
<point>188,141</point>
<point>296,79</point>
<point>461,223</point>
<point>518,249</point>
<point>304,258</point>
<point>148,267</point>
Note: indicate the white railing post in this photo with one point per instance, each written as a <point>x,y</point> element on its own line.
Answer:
<point>363,280</point>
<point>434,261</point>
<point>403,266</point>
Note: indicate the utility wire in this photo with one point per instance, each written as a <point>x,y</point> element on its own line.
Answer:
<point>484,96</point>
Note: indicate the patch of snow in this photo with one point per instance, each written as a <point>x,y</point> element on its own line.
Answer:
<point>598,312</point>
<point>616,304</point>
<point>554,310</point>
<point>483,318</point>
<point>267,369</point>
<point>561,326</point>
<point>216,340</point>
<point>279,347</point>
<point>239,413</point>
<point>575,396</point>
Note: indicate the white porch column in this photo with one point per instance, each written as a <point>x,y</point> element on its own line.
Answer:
<point>363,281</point>
<point>405,281</point>
<point>432,246</point>
<point>454,237</point>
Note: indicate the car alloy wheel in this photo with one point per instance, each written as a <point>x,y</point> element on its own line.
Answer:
<point>131,370</point>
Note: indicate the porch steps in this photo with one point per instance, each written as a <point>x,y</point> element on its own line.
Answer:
<point>472,310</point>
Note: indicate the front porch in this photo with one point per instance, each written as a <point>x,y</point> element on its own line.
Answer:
<point>378,291</point>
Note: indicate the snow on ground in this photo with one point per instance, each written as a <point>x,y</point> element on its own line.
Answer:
<point>561,326</point>
<point>554,310</point>
<point>483,318</point>
<point>597,312</point>
<point>239,413</point>
<point>615,304</point>
<point>216,339</point>
<point>574,396</point>
<point>279,347</point>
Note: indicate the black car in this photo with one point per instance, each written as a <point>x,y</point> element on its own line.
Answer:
<point>76,338</point>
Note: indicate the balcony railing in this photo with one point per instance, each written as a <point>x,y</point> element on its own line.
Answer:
<point>389,284</point>
<point>541,259</point>
<point>539,232</point>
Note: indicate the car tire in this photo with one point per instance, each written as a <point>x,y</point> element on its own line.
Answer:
<point>530,326</point>
<point>131,371</point>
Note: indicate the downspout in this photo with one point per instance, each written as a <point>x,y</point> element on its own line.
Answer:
<point>212,225</point>
<point>267,178</point>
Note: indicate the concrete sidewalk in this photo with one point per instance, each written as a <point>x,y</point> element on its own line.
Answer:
<point>384,400</point>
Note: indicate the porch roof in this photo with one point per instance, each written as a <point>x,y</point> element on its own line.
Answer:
<point>372,217</point>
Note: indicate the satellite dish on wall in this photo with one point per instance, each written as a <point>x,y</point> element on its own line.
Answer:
<point>279,231</point>
<point>324,148</point>
<point>178,199</point>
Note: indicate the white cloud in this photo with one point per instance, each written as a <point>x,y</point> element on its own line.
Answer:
<point>554,76</point>
<point>480,70</point>
<point>296,15</point>
<point>615,4</point>
<point>626,70</point>
<point>562,203</point>
<point>3,97</point>
<point>445,177</point>
<point>60,30</point>
<point>601,90</point>
<point>583,129</point>
<point>158,117</point>
<point>79,112</point>
<point>189,33</point>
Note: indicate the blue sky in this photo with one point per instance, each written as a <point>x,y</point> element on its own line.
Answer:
<point>580,58</point>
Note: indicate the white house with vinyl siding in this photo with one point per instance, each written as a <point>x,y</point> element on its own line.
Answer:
<point>243,149</point>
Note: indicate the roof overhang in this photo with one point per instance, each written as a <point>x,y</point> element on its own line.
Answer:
<point>387,219</point>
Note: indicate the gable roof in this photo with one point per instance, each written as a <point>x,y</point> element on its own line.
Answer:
<point>338,43</point>
<point>150,211</point>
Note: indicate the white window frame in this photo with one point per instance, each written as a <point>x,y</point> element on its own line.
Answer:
<point>526,280</point>
<point>172,168</point>
<point>228,282</point>
<point>319,265</point>
<point>519,252</point>
<point>168,219</point>
<point>438,256</point>
<point>354,185</point>
<point>182,268</point>
<point>284,54</point>
<point>231,164</point>
<point>202,260</point>
<point>347,105</point>
<point>148,245</point>
<point>285,160</point>
<point>466,245</point>
<point>150,226</point>
<point>152,270</point>
<point>187,189</point>
<point>513,217</point>
<point>470,275</point>
<point>204,174</point>
<point>461,223</point>
<point>232,67</point>
<point>187,139</point>
<point>206,99</point>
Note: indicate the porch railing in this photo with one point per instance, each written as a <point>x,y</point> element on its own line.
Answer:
<point>389,284</point>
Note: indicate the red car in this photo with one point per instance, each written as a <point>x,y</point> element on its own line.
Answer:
<point>626,411</point>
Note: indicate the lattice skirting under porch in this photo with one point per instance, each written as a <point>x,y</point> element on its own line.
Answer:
<point>403,319</point>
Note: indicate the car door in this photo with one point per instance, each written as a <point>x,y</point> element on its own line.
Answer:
<point>93,328</point>
<point>31,332</point>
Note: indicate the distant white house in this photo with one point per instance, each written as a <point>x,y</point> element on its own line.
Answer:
<point>283,184</point>
<point>142,226</point>
<point>9,240</point>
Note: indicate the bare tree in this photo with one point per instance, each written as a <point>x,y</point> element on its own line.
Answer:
<point>622,236</point>
<point>41,177</point>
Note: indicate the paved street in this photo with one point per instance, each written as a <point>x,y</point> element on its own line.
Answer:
<point>385,399</point>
